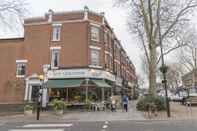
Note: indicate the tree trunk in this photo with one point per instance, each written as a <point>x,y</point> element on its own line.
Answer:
<point>152,69</point>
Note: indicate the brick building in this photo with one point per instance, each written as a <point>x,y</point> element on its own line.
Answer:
<point>190,79</point>
<point>77,53</point>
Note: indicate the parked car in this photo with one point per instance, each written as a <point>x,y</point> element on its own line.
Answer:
<point>162,94</point>
<point>176,98</point>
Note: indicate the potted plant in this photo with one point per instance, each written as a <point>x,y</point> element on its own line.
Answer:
<point>58,106</point>
<point>28,109</point>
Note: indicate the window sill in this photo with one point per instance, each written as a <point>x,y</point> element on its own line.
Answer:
<point>55,40</point>
<point>94,66</point>
<point>54,68</point>
<point>95,40</point>
<point>20,76</point>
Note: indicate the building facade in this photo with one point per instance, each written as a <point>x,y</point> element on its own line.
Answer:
<point>77,53</point>
<point>190,79</point>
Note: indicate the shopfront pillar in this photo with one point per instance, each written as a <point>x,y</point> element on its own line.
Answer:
<point>87,90</point>
<point>103,94</point>
<point>67,94</point>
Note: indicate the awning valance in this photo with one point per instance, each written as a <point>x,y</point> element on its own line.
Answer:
<point>64,83</point>
<point>101,83</point>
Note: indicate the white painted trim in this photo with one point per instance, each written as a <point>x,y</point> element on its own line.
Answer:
<point>107,52</point>
<point>55,48</point>
<point>66,21</point>
<point>95,47</point>
<point>95,40</point>
<point>117,61</point>
<point>29,92</point>
<point>54,67</point>
<point>20,76</point>
<point>26,90</point>
<point>95,24</point>
<point>56,24</point>
<point>85,15</point>
<point>93,66</point>
<point>21,61</point>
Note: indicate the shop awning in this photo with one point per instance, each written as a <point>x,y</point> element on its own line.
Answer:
<point>101,83</point>
<point>64,83</point>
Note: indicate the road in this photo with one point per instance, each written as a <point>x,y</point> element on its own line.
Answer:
<point>103,126</point>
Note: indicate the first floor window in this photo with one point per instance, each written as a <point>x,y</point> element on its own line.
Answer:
<point>95,57</point>
<point>20,69</point>
<point>106,61</point>
<point>56,33</point>
<point>95,33</point>
<point>105,38</point>
<point>55,58</point>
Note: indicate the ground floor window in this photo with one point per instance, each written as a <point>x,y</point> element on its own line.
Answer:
<point>78,94</point>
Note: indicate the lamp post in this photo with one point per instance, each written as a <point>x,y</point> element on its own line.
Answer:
<point>39,95</point>
<point>163,68</point>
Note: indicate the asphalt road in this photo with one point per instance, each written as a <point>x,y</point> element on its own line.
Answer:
<point>103,126</point>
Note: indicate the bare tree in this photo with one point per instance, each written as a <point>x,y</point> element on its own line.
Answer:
<point>141,81</point>
<point>12,12</point>
<point>188,54</point>
<point>174,74</point>
<point>155,21</point>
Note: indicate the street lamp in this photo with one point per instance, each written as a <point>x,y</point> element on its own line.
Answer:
<point>39,95</point>
<point>163,68</point>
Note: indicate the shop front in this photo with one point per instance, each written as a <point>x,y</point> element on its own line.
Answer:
<point>72,85</point>
<point>79,90</point>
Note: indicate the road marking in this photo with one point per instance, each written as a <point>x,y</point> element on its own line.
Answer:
<point>48,125</point>
<point>105,126</point>
<point>36,130</point>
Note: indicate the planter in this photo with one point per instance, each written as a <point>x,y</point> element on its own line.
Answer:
<point>59,112</point>
<point>28,112</point>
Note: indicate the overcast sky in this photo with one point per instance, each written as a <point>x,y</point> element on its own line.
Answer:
<point>116,16</point>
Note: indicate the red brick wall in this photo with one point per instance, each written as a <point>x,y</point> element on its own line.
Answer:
<point>10,51</point>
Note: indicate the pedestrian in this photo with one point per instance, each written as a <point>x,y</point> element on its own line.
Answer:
<point>125,102</point>
<point>113,104</point>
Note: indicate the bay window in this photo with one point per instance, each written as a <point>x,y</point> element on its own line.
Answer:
<point>95,33</point>
<point>95,57</point>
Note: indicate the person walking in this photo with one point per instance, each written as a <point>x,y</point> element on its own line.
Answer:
<point>125,102</point>
<point>113,104</point>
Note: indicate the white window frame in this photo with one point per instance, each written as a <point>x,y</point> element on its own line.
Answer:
<point>53,51</point>
<point>56,32</point>
<point>95,36</point>
<point>95,63</point>
<point>21,62</point>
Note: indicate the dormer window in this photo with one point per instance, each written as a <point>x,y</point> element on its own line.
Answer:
<point>56,32</point>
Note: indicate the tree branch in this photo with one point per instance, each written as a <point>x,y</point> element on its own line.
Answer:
<point>180,13</point>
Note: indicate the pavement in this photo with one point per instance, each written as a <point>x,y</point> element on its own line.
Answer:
<point>177,111</point>
<point>132,114</point>
<point>94,121</point>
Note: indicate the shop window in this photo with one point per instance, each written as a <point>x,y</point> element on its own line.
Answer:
<point>55,54</point>
<point>95,57</point>
<point>20,69</point>
<point>95,33</point>
<point>56,33</point>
